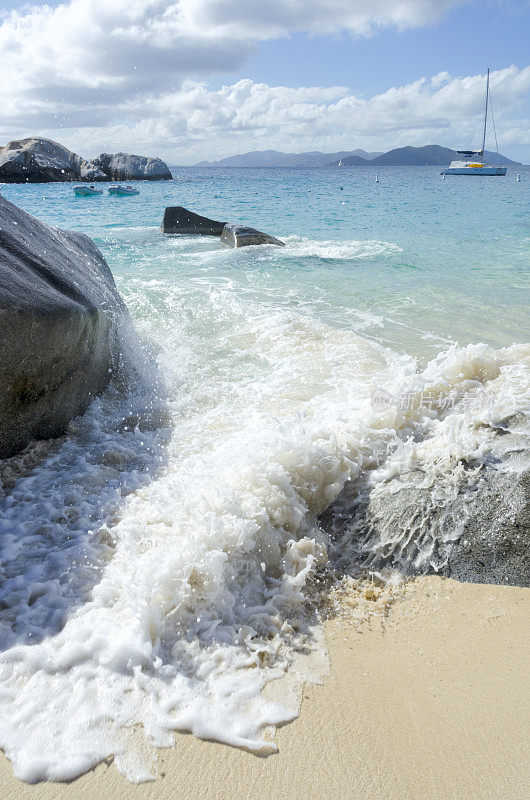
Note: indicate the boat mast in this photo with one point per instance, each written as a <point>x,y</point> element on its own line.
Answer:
<point>485,113</point>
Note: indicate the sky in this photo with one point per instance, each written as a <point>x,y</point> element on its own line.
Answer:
<point>188,80</point>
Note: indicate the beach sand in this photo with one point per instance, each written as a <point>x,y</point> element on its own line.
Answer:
<point>430,702</point>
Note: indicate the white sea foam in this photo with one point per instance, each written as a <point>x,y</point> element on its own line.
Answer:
<point>161,565</point>
<point>338,250</point>
<point>209,249</point>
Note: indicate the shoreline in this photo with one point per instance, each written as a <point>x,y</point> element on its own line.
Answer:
<point>425,702</point>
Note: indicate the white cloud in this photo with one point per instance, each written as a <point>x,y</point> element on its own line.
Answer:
<point>74,62</point>
<point>132,74</point>
<point>196,122</point>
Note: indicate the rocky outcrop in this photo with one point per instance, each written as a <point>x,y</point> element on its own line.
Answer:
<point>38,160</point>
<point>60,314</point>
<point>476,528</point>
<point>178,219</point>
<point>241,236</point>
<point>126,167</point>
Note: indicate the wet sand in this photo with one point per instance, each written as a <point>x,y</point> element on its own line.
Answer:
<point>430,702</point>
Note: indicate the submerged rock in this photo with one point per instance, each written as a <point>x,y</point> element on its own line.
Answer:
<point>241,236</point>
<point>60,314</point>
<point>473,528</point>
<point>39,160</point>
<point>126,167</point>
<point>178,219</point>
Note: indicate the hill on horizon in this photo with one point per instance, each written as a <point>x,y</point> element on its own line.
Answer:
<point>274,158</point>
<point>429,155</point>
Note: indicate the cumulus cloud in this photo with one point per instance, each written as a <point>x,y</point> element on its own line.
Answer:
<point>133,74</point>
<point>85,56</point>
<point>196,122</point>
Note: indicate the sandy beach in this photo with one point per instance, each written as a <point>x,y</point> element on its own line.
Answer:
<point>429,702</point>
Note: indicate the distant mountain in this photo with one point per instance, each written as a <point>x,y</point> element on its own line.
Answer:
<point>430,155</point>
<point>497,158</point>
<point>412,156</point>
<point>273,158</point>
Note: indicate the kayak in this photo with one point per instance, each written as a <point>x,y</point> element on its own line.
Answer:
<point>86,191</point>
<point>123,191</point>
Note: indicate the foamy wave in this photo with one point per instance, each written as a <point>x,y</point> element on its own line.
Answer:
<point>298,246</point>
<point>205,248</point>
<point>169,564</point>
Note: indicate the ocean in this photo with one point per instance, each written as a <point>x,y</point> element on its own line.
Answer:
<point>165,560</point>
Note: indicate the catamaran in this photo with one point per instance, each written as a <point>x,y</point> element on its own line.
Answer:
<point>472,161</point>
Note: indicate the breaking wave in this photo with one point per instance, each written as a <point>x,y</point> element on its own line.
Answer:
<point>158,562</point>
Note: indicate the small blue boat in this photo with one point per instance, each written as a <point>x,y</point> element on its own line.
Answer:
<point>87,191</point>
<point>123,191</point>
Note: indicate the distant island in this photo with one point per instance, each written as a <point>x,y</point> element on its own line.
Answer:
<point>429,155</point>
<point>273,158</point>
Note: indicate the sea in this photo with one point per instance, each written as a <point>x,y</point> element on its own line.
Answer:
<point>165,560</point>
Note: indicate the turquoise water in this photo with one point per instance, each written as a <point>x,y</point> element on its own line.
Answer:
<point>454,264</point>
<point>156,562</point>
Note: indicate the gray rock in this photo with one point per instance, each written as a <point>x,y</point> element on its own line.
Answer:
<point>87,171</point>
<point>38,160</point>
<point>494,546</point>
<point>60,317</point>
<point>178,219</point>
<point>241,236</point>
<point>126,167</point>
<point>475,530</point>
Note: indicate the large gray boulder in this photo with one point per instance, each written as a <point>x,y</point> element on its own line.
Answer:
<point>472,525</point>
<point>126,167</point>
<point>242,236</point>
<point>39,160</point>
<point>178,219</point>
<point>60,317</point>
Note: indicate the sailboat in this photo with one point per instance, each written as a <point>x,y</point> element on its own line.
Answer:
<point>472,161</point>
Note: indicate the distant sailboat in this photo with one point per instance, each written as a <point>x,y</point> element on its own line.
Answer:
<point>472,162</point>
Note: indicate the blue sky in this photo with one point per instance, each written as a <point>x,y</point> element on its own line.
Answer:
<point>207,78</point>
<point>468,40</point>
